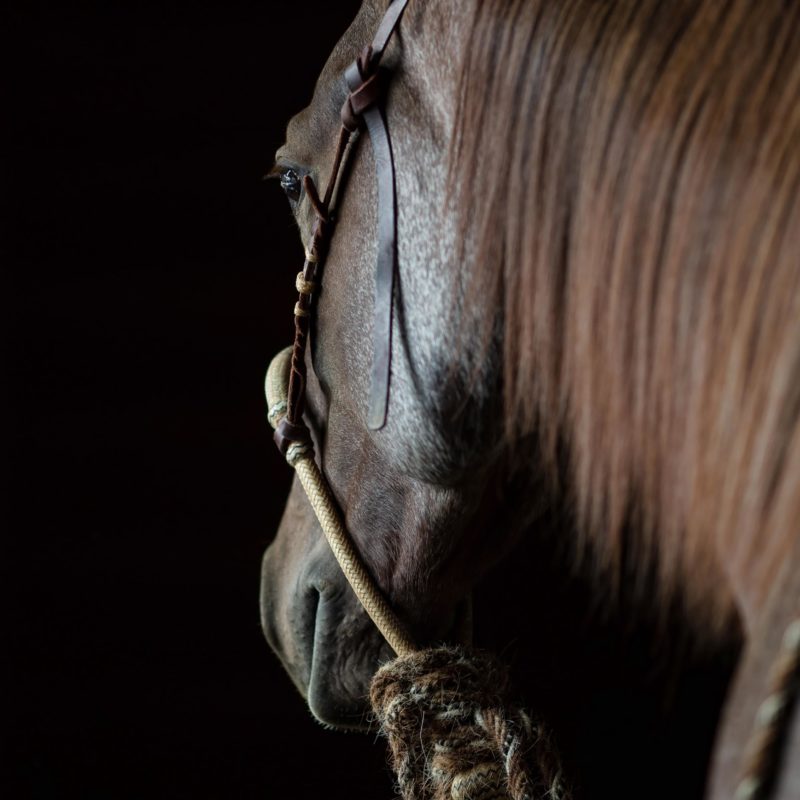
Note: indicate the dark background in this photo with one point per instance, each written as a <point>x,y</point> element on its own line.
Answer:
<point>151,280</point>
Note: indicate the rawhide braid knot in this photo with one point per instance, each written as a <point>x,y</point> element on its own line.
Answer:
<point>452,734</point>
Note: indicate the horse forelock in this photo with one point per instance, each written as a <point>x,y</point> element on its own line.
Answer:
<point>638,169</point>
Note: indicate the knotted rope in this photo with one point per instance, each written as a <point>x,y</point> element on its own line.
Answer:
<point>444,710</point>
<point>454,736</point>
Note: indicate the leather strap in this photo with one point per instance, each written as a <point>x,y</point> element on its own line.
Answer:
<point>385,30</point>
<point>367,83</point>
<point>387,248</point>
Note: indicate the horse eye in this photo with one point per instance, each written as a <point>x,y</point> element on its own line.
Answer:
<point>291,184</point>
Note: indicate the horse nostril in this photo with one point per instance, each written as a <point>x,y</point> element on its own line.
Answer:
<point>323,587</point>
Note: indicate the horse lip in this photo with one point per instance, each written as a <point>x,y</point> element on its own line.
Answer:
<point>329,660</point>
<point>271,631</point>
<point>326,662</point>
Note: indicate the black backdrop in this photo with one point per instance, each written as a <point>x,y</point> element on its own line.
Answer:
<point>150,283</point>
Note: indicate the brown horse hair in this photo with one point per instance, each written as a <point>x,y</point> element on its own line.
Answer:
<point>638,164</point>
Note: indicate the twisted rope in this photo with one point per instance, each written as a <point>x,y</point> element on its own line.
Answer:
<point>453,734</point>
<point>300,455</point>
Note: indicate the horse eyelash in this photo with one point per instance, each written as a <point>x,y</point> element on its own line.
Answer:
<point>274,172</point>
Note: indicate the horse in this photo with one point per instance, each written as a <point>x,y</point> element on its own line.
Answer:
<point>596,336</point>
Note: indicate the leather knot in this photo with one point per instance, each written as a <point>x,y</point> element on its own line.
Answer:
<point>366,62</point>
<point>287,434</point>
<point>367,84</point>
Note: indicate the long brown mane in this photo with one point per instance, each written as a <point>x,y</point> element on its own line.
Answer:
<point>638,164</point>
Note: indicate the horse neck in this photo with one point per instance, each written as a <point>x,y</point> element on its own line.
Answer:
<point>647,275</point>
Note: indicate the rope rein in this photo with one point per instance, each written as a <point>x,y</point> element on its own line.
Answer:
<point>454,735</point>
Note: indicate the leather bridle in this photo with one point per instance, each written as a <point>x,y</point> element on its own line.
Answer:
<point>286,377</point>
<point>367,82</point>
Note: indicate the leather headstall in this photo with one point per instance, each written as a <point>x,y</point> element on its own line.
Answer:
<point>367,83</point>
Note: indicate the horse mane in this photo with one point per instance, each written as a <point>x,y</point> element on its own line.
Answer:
<point>638,164</point>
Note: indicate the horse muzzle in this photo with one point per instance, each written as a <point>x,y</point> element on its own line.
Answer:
<point>314,623</point>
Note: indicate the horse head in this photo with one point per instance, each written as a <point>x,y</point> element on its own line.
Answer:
<point>413,493</point>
